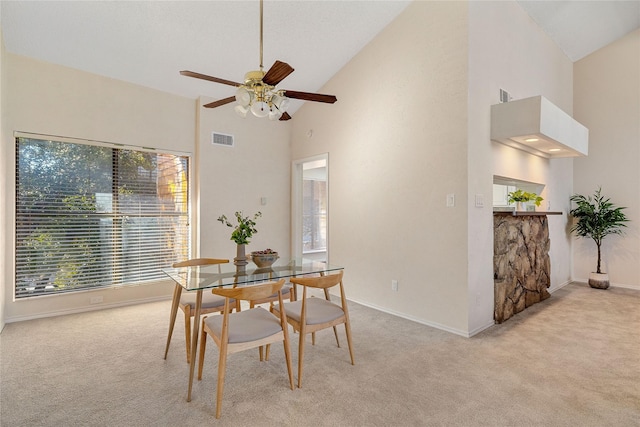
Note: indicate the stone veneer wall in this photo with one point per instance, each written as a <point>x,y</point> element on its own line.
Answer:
<point>521,265</point>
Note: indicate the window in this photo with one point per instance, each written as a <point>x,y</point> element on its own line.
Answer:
<point>91,216</point>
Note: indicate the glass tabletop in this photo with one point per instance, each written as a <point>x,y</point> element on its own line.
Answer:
<point>207,276</point>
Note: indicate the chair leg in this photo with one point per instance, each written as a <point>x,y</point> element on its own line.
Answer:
<point>313,338</point>
<point>266,353</point>
<point>260,352</point>
<point>187,330</point>
<point>222,365</point>
<point>347,329</point>
<point>335,332</point>
<point>203,347</point>
<point>300,357</point>
<point>287,356</point>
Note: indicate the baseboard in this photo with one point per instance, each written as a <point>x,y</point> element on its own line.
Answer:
<point>481,328</point>
<point>86,309</point>
<point>613,285</point>
<point>560,286</point>
<point>413,319</point>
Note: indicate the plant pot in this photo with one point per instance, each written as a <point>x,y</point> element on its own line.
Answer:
<point>521,206</point>
<point>599,280</point>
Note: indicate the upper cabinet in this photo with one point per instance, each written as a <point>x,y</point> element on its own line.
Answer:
<point>539,127</point>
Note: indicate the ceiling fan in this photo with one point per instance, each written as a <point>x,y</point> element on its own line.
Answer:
<point>258,93</point>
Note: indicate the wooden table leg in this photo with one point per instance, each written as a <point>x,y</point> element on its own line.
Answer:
<point>194,340</point>
<point>177,291</point>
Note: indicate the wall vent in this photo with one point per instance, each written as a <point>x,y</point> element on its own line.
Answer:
<point>504,96</point>
<point>221,139</point>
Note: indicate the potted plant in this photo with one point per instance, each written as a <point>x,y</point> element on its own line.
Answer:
<point>242,232</point>
<point>521,197</point>
<point>596,217</point>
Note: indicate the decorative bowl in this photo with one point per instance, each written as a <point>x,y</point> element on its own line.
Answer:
<point>264,259</point>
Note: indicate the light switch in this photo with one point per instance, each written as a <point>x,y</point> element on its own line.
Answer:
<point>451,200</point>
<point>479,201</point>
<point>263,201</point>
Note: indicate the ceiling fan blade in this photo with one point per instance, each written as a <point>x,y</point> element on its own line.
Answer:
<point>285,116</point>
<point>278,71</point>
<point>211,79</point>
<point>220,102</point>
<point>306,96</point>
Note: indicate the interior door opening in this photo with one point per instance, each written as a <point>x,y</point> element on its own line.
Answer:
<point>311,205</point>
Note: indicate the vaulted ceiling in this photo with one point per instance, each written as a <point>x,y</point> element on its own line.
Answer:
<point>149,42</point>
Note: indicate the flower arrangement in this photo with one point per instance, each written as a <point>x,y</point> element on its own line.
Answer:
<point>523,197</point>
<point>245,228</point>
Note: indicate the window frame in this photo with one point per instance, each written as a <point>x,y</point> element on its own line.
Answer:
<point>188,228</point>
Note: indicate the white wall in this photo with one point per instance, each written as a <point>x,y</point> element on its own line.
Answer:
<point>3,184</point>
<point>507,50</point>
<point>397,144</point>
<point>405,133</point>
<point>237,178</point>
<point>43,98</point>
<point>607,101</point>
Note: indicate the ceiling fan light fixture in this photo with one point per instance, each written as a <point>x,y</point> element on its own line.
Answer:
<point>258,93</point>
<point>281,102</point>
<point>260,109</point>
<point>243,96</point>
<point>275,114</point>
<point>241,110</point>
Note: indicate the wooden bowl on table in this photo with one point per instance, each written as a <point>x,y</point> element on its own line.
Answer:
<point>264,259</point>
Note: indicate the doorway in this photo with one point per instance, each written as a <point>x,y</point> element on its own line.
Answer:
<point>310,190</point>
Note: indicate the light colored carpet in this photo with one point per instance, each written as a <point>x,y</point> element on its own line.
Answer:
<point>572,360</point>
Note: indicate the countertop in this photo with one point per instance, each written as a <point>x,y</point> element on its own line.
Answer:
<point>527,213</point>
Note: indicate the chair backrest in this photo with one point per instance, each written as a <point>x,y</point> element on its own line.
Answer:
<point>199,261</point>
<point>323,282</point>
<point>249,293</point>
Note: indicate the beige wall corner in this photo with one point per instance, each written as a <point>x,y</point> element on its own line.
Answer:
<point>607,101</point>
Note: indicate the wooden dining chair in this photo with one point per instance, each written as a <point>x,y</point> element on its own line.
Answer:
<point>234,332</point>
<point>210,303</point>
<point>311,314</point>
<point>288,293</point>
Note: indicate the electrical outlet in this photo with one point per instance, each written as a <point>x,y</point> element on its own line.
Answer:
<point>394,285</point>
<point>96,300</point>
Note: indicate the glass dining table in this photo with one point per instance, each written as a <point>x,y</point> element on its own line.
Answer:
<point>199,278</point>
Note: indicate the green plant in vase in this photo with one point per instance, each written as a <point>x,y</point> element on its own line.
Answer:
<point>596,217</point>
<point>242,232</point>
<point>521,197</point>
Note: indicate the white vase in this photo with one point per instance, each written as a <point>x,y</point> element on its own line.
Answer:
<point>521,206</point>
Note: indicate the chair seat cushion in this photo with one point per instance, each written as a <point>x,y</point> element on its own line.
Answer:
<point>209,300</point>
<point>248,325</point>
<point>319,310</point>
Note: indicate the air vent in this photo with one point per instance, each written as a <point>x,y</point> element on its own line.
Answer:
<point>504,96</point>
<point>221,139</point>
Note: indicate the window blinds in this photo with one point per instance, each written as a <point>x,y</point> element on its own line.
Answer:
<point>90,216</point>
